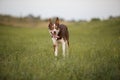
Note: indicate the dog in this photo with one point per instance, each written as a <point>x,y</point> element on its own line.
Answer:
<point>59,34</point>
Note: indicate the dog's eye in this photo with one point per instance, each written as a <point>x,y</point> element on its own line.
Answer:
<point>51,27</point>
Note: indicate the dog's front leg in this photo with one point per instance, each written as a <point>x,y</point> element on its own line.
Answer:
<point>55,49</point>
<point>55,46</point>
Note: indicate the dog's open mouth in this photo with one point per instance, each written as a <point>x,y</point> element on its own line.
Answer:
<point>55,36</point>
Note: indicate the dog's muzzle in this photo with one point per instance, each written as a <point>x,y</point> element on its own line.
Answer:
<point>54,35</point>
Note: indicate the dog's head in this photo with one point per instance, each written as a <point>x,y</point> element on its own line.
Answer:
<point>54,28</point>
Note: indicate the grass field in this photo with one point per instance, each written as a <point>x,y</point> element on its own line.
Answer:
<point>94,53</point>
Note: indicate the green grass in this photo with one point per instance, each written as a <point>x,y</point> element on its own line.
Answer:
<point>94,53</point>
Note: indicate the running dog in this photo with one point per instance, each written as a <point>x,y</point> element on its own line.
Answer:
<point>59,34</point>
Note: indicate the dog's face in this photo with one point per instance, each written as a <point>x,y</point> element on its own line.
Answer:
<point>54,28</point>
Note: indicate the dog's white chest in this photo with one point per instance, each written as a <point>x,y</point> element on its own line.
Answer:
<point>55,41</point>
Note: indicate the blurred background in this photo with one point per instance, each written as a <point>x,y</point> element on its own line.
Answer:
<point>26,48</point>
<point>30,13</point>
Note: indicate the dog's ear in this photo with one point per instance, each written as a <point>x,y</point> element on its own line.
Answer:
<point>57,21</point>
<point>50,21</point>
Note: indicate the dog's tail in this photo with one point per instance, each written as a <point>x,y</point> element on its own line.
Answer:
<point>67,36</point>
<point>68,43</point>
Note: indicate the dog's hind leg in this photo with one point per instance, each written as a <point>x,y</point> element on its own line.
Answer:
<point>67,48</point>
<point>63,48</point>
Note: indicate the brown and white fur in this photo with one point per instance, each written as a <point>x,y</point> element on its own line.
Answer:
<point>59,34</point>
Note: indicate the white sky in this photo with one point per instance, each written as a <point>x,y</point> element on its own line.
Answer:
<point>67,9</point>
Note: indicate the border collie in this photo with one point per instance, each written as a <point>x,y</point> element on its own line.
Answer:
<point>59,34</point>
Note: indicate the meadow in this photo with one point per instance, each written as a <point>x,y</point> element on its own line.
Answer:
<point>94,53</point>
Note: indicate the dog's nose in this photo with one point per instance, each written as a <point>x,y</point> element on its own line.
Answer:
<point>54,32</point>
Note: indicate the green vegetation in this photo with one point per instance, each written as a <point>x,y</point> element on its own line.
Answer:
<point>94,53</point>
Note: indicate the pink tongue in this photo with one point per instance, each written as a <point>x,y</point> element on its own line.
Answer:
<point>55,36</point>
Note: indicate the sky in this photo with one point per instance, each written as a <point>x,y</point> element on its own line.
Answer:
<point>67,9</point>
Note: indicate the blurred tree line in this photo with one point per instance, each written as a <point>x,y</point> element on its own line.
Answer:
<point>34,21</point>
<point>29,20</point>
